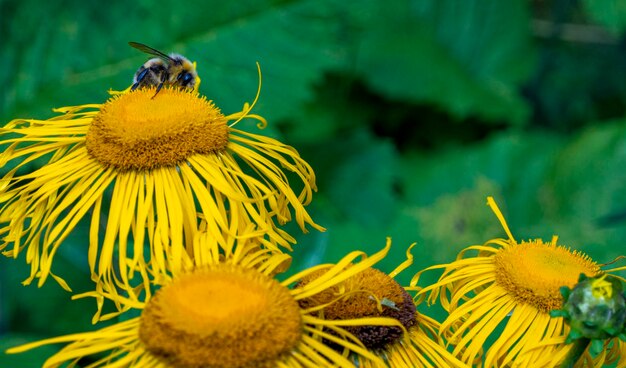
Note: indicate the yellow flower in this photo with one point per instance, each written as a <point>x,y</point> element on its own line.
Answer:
<point>505,293</point>
<point>372,293</point>
<point>225,309</point>
<point>160,163</point>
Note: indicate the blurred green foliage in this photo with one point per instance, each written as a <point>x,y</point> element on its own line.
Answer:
<point>410,112</point>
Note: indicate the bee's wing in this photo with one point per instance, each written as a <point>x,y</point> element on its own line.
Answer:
<point>149,50</point>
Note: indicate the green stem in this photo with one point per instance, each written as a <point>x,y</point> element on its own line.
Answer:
<point>578,348</point>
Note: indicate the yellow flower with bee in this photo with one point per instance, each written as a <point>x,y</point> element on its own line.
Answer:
<point>161,166</point>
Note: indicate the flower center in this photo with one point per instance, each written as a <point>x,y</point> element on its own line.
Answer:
<point>534,271</point>
<point>139,130</point>
<point>226,316</point>
<point>363,290</point>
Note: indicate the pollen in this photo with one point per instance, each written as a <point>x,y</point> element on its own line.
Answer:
<point>370,293</point>
<point>143,130</point>
<point>223,317</point>
<point>534,271</point>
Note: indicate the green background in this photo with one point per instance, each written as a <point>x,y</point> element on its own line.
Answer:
<point>410,112</point>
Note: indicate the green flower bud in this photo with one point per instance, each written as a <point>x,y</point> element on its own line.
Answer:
<point>595,308</point>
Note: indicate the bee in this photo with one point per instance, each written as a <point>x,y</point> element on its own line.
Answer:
<point>171,70</point>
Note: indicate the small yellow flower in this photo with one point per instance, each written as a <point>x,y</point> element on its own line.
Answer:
<point>505,293</point>
<point>160,163</point>
<point>372,293</point>
<point>225,309</point>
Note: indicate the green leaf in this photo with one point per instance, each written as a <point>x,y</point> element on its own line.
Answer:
<point>588,177</point>
<point>467,57</point>
<point>23,309</point>
<point>294,42</point>
<point>558,313</point>
<point>516,163</point>
<point>585,193</point>
<point>359,176</point>
<point>334,112</point>
<point>565,292</point>
<point>610,13</point>
<point>445,191</point>
<point>456,221</point>
<point>597,346</point>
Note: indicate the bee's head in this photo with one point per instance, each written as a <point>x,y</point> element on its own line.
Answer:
<point>186,79</point>
<point>185,71</point>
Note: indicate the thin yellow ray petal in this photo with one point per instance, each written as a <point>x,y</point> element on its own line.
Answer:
<point>374,321</point>
<point>308,357</point>
<point>475,282</point>
<point>175,215</point>
<point>476,309</point>
<point>94,227</point>
<point>402,266</point>
<point>213,173</point>
<point>508,344</point>
<point>112,228</point>
<point>34,152</point>
<point>120,330</point>
<point>337,359</point>
<point>537,330</point>
<point>61,229</point>
<point>188,204</point>
<point>144,211</point>
<point>242,213</point>
<point>342,341</point>
<point>209,208</point>
<point>204,254</point>
<point>279,151</point>
<point>98,347</point>
<point>161,234</point>
<point>118,358</point>
<point>408,358</point>
<point>128,202</point>
<point>271,172</point>
<point>481,329</point>
<point>338,273</point>
<point>494,207</point>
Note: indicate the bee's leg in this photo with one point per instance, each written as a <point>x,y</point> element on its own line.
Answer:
<point>139,78</point>
<point>165,76</point>
<point>158,89</point>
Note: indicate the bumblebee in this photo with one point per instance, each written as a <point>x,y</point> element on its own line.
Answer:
<point>171,70</point>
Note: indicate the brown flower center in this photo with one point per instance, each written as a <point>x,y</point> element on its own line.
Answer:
<point>363,290</point>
